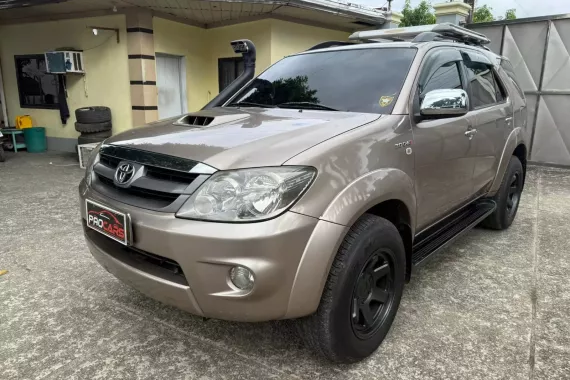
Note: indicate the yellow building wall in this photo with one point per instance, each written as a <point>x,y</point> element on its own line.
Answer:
<point>105,84</point>
<point>290,38</point>
<point>203,47</point>
<point>189,42</point>
<point>259,32</point>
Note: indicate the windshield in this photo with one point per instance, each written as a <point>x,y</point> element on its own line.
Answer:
<point>358,80</point>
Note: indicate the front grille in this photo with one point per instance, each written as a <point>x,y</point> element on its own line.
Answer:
<point>156,265</point>
<point>109,161</point>
<point>140,192</point>
<point>170,175</point>
<point>161,182</point>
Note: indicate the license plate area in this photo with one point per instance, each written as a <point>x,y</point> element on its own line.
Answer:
<point>107,221</point>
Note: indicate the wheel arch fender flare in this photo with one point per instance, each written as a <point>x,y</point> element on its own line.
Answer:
<point>350,204</point>
<point>514,139</point>
<point>370,190</point>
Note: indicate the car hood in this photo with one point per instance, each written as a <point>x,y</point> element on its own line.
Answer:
<point>241,137</point>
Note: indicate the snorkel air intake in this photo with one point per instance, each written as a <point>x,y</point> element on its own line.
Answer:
<point>247,50</point>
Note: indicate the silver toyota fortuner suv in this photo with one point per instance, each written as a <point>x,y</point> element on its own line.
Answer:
<point>312,191</point>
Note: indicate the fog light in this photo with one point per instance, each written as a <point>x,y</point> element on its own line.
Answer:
<point>242,278</point>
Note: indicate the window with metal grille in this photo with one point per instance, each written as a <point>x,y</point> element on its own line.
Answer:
<point>36,87</point>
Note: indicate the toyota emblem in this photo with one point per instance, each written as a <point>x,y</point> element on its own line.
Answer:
<point>124,173</point>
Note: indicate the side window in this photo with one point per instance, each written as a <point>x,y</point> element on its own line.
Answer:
<point>499,89</point>
<point>446,77</point>
<point>482,80</point>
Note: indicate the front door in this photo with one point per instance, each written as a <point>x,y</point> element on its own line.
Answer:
<point>492,117</point>
<point>171,83</point>
<point>444,155</point>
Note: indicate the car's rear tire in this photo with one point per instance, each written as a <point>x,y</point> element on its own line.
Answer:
<point>361,295</point>
<point>507,198</point>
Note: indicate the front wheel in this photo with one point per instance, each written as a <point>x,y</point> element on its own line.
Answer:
<point>362,293</point>
<point>508,197</point>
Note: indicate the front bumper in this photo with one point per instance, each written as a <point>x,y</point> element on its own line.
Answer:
<point>206,251</point>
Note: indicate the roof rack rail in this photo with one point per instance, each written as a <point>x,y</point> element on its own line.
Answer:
<point>424,33</point>
<point>329,44</point>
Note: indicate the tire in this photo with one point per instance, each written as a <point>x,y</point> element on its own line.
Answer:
<point>104,134</point>
<point>89,115</point>
<point>507,198</point>
<point>93,127</point>
<point>89,139</point>
<point>334,331</point>
<point>2,153</point>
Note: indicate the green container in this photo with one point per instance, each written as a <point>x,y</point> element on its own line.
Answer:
<point>35,139</point>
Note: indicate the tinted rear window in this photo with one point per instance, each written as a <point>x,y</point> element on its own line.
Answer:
<point>359,80</point>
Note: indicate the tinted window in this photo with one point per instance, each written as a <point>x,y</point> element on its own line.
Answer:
<point>482,81</point>
<point>358,80</point>
<point>447,77</point>
<point>37,89</point>
<point>499,90</point>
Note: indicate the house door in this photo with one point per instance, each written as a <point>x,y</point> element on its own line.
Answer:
<point>171,83</point>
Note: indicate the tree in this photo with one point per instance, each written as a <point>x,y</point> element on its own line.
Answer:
<point>511,14</point>
<point>420,15</point>
<point>483,14</point>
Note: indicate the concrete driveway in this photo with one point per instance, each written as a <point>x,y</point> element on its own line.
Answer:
<point>495,305</point>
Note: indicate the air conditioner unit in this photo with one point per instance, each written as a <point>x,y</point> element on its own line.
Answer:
<point>63,62</point>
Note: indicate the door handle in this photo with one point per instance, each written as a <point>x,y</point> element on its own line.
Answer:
<point>470,133</point>
<point>508,120</point>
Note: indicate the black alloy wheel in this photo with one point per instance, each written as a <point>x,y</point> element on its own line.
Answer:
<point>362,293</point>
<point>373,295</point>
<point>508,197</point>
<point>514,195</point>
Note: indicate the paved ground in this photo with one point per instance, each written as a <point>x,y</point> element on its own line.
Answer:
<point>496,305</point>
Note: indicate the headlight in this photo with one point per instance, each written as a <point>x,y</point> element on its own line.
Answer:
<point>93,158</point>
<point>248,195</point>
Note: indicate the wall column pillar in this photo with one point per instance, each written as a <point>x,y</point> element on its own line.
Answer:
<point>393,20</point>
<point>455,12</point>
<point>142,67</point>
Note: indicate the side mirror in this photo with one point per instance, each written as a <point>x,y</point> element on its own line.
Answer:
<point>445,103</point>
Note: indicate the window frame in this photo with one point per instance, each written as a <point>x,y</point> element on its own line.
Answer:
<point>496,76</point>
<point>442,55</point>
<point>54,106</point>
<point>235,60</point>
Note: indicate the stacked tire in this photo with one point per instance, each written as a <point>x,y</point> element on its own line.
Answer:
<point>94,124</point>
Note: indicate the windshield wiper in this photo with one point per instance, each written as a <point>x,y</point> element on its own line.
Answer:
<point>307,106</point>
<point>251,104</point>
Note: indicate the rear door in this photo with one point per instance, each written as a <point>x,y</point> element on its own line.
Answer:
<point>444,156</point>
<point>492,117</point>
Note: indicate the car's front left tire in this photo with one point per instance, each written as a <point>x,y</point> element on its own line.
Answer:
<point>361,295</point>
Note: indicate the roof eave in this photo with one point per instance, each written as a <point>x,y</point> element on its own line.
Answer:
<point>342,8</point>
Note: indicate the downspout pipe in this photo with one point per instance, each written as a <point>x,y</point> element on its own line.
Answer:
<point>248,52</point>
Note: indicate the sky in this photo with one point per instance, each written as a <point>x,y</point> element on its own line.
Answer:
<point>525,8</point>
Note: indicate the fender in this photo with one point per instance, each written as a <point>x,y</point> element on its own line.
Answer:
<point>360,195</point>
<point>514,139</point>
<point>369,190</point>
